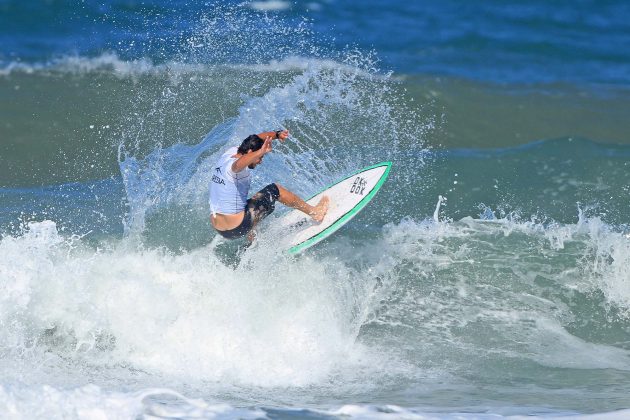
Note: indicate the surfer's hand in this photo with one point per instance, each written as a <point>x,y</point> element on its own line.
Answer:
<point>266,147</point>
<point>283,135</point>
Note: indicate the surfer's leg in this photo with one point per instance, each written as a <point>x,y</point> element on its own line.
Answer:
<point>251,237</point>
<point>263,203</point>
<point>289,199</point>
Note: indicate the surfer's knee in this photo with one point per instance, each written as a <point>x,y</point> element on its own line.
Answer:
<point>273,190</point>
<point>279,189</point>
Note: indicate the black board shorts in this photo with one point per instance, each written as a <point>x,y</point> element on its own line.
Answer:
<point>259,206</point>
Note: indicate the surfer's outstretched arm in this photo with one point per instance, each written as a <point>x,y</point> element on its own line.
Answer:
<point>281,135</point>
<point>289,199</point>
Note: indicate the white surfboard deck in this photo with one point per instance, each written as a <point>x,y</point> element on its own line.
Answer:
<point>347,197</point>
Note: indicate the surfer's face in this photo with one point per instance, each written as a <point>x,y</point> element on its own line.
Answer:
<point>256,163</point>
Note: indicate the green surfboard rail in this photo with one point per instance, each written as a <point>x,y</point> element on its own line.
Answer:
<point>346,217</point>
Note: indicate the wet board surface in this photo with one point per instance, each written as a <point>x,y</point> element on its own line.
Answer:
<point>347,196</point>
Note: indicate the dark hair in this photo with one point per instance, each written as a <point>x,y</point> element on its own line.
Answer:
<point>252,143</point>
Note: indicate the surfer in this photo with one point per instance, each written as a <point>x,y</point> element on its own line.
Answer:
<point>233,215</point>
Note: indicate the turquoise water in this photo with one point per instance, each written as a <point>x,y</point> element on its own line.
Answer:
<point>487,279</point>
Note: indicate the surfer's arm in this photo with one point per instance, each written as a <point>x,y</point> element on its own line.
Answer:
<point>251,157</point>
<point>280,135</point>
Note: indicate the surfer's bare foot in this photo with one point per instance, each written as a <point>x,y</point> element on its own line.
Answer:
<point>320,210</point>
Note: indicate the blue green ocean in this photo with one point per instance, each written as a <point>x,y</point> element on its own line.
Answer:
<point>487,279</point>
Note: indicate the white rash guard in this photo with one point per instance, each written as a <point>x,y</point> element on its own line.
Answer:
<point>228,190</point>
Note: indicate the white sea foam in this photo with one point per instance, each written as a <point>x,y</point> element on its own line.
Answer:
<point>106,62</point>
<point>120,314</point>
<point>486,274</point>
<point>267,324</point>
<point>111,63</point>
<point>270,5</point>
<point>93,403</point>
<point>387,412</point>
<point>90,402</point>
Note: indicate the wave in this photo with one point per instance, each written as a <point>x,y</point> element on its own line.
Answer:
<point>421,301</point>
<point>165,403</point>
<point>270,5</point>
<point>107,62</point>
<point>118,305</point>
<point>92,401</point>
<point>395,308</point>
<point>112,63</point>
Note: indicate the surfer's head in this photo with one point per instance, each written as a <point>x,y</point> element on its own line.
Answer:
<point>252,143</point>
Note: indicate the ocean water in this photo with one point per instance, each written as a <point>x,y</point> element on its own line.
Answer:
<point>487,279</point>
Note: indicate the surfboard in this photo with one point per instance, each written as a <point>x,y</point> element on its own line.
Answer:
<point>348,197</point>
